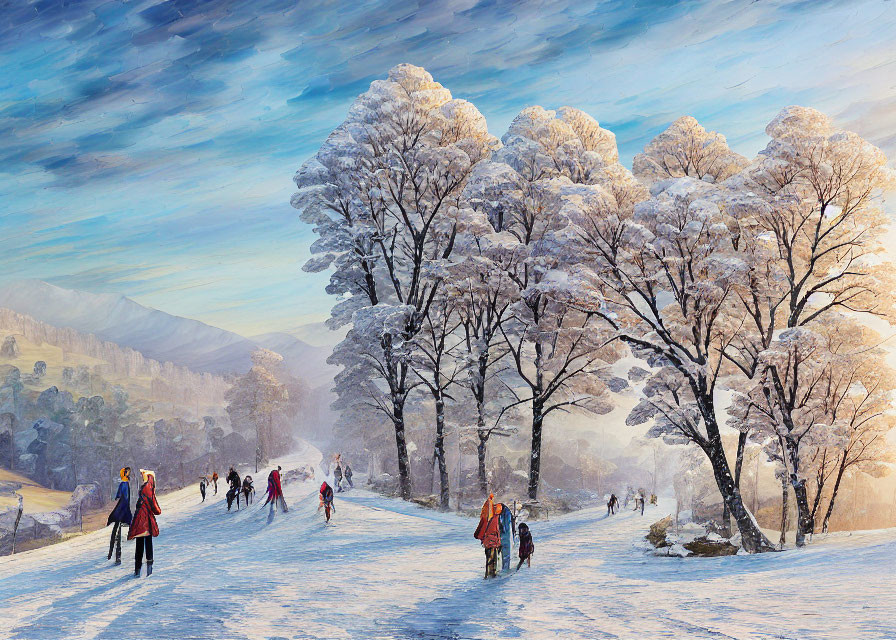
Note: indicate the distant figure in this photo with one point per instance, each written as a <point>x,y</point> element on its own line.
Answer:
<point>612,505</point>
<point>121,514</point>
<point>348,475</point>
<point>527,547</point>
<point>144,527</point>
<point>653,499</point>
<point>337,474</point>
<point>233,479</point>
<point>203,481</point>
<point>629,496</point>
<point>248,490</point>
<point>326,499</point>
<point>640,499</point>
<point>275,491</point>
<point>489,533</point>
<point>215,481</point>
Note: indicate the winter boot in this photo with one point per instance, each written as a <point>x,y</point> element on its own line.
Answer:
<point>137,571</point>
<point>149,568</point>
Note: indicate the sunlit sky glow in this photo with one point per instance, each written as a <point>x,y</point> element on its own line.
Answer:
<point>148,148</point>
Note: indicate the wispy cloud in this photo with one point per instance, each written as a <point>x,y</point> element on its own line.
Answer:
<point>147,147</point>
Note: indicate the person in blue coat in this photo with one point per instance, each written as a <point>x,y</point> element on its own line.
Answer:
<point>121,514</point>
<point>505,522</point>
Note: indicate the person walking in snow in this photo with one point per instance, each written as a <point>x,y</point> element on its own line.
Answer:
<point>203,481</point>
<point>337,474</point>
<point>121,514</point>
<point>233,479</point>
<point>326,499</point>
<point>215,481</point>
<point>275,491</point>
<point>248,490</point>
<point>348,476</point>
<point>613,504</point>
<point>489,534</point>
<point>639,501</point>
<point>527,547</point>
<point>144,526</point>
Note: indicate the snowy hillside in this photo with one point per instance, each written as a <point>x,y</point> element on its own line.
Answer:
<point>156,334</point>
<point>387,569</point>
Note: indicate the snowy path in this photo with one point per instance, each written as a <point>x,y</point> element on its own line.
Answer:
<point>386,569</point>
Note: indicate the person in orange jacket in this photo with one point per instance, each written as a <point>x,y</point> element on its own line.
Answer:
<point>489,533</point>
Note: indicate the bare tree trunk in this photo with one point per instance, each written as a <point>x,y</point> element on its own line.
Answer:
<point>535,456</point>
<point>440,454</point>
<point>480,452</point>
<point>827,515</point>
<point>738,469</point>
<point>805,524</point>
<point>784,500</point>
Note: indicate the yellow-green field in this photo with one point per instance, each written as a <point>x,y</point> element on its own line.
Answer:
<point>37,498</point>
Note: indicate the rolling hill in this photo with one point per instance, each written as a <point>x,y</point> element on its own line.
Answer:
<point>159,335</point>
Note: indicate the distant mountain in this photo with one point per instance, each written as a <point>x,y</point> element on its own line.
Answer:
<point>156,334</point>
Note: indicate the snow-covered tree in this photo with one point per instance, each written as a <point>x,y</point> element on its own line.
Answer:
<point>666,276</point>
<point>381,193</point>
<point>254,400</point>
<point>523,191</point>
<point>482,290</point>
<point>437,370</point>
<point>686,149</point>
<point>815,232</point>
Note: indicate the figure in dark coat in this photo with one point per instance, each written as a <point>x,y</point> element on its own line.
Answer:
<point>248,490</point>
<point>233,479</point>
<point>275,491</point>
<point>202,484</point>
<point>326,499</point>
<point>144,526</point>
<point>121,514</point>
<point>348,475</point>
<point>527,547</point>
<point>337,475</point>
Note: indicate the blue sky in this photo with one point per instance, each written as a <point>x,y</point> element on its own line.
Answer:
<point>147,148</point>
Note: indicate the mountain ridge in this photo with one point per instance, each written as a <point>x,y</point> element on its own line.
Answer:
<point>159,335</point>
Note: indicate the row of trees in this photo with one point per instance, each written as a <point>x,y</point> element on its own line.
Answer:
<point>265,403</point>
<point>206,389</point>
<point>514,275</point>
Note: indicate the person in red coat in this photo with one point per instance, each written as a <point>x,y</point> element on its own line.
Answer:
<point>144,526</point>
<point>275,491</point>
<point>489,533</point>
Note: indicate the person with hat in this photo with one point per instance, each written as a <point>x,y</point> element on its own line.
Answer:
<point>121,514</point>
<point>144,526</point>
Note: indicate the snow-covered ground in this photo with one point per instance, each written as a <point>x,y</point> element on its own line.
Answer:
<point>387,569</point>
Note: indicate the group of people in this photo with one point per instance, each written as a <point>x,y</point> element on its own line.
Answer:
<point>142,525</point>
<point>639,498</point>
<point>237,487</point>
<point>342,472</point>
<point>496,531</point>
